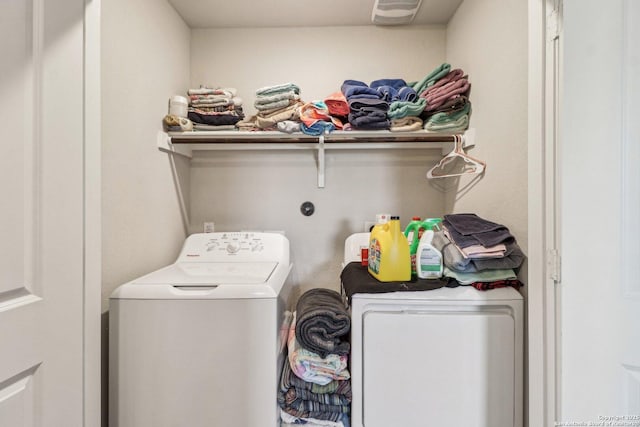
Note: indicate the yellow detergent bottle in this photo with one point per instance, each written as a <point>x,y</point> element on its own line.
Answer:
<point>389,259</point>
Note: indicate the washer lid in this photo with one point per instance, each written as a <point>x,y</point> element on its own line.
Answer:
<point>208,273</point>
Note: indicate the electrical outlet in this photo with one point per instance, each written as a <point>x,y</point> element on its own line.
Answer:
<point>368,225</point>
<point>209,227</point>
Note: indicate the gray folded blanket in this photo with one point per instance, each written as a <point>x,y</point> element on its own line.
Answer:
<point>453,258</point>
<point>322,322</point>
<point>468,229</point>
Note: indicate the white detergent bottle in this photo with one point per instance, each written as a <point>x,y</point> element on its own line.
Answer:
<point>428,258</point>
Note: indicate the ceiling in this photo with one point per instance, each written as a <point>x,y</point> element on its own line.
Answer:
<point>297,13</point>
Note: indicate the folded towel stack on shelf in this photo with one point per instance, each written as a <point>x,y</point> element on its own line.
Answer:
<point>367,108</point>
<point>316,119</point>
<point>439,102</point>
<point>452,116</point>
<point>446,96</point>
<point>314,387</point>
<point>214,109</point>
<point>337,105</point>
<point>478,252</point>
<point>276,104</point>
<point>404,104</point>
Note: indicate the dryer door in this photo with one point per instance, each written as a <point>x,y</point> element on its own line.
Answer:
<point>445,369</point>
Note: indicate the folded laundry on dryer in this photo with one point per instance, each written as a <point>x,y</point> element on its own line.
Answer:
<point>469,229</point>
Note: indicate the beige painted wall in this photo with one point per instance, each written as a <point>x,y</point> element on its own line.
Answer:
<point>488,40</point>
<point>316,59</point>
<point>145,59</point>
<point>264,190</point>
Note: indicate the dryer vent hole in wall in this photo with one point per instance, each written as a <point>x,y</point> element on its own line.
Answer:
<point>307,208</point>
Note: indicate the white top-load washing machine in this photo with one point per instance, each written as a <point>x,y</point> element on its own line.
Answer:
<point>198,343</point>
<point>448,357</point>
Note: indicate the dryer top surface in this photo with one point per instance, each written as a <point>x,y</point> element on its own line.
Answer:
<point>460,293</point>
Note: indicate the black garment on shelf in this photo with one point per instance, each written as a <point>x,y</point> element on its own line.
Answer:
<point>356,279</point>
<point>214,119</point>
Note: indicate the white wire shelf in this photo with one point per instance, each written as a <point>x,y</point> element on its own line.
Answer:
<point>186,143</point>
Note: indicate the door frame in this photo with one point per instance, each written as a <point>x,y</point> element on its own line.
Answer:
<point>544,92</point>
<point>92,217</point>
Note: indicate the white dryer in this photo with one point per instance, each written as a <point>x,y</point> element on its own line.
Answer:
<point>198,343</point>
<point>448,357</point>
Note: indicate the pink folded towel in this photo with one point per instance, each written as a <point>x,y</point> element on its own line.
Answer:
<point>337,104</point>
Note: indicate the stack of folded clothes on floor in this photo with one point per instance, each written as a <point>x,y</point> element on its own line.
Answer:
<point>276,104</point>
<point>367,108</point>
<point>214,109</point>
<point>315,389</point>
<point>478,252</point>
<point>446,96</point>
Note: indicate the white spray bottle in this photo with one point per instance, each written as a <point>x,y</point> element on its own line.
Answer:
<point>428,258</point>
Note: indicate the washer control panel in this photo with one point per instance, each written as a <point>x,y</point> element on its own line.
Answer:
<point>235,242</point>
<point>243,246</point>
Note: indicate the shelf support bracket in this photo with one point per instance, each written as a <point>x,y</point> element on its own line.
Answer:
<point>164,144</point>
<point>321,161</point>
<point>470,138</point>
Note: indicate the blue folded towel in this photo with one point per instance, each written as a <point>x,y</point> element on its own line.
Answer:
<point>356,88</point>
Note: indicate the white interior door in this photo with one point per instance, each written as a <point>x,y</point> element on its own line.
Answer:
<point>42,237</point>
<point>600,213</point>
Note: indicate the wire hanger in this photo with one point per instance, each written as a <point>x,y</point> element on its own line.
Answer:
<point>470,165</point>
